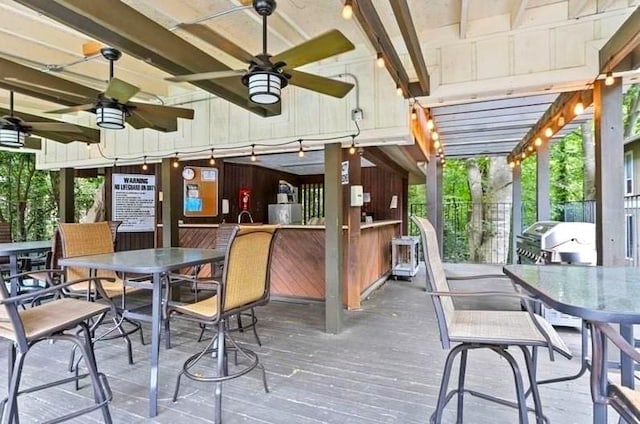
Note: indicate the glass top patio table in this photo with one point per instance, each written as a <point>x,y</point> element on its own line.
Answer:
<point>15,249</point>
<point>593,293</point>
<point>149,261</point>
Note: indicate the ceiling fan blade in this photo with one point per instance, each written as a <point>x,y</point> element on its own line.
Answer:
<point>206,75</point>
<point>34,143</point>
<point>137,121</point>
<point>212,37</point>
<point>120,90</point>
<point>144,119</point>
<point>73,109</point>
<point>53,126</point>
<point>319,84</point>
<point>326,45</point>
<point>163,111</point>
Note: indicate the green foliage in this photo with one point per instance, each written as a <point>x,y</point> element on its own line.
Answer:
<point>84,191</point>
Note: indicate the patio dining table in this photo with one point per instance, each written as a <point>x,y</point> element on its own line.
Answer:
<point>156,262</point>
<point>19,248</point>
<point>593,293</point>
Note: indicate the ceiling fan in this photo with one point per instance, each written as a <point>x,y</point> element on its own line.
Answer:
<point>267,74</point>
<point>16,132</point>
<point>112,107</point>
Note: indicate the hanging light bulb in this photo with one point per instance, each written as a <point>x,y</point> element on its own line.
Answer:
<point>609,80</point>
<point>530,148</point>
<point>352,148</point>
<point>548,132</point>
<point>440,149</point>
<point>144,164</point>
<point>380,60</point>
<point>212,159</point>
<point>524,155</point>
<point>538,142</point>
<point>435,135</point>
<point>399,91</point>
<point>430,124</point>
<point>115,162</point>
<point>300,150</point>
<point>347,9</point>
<point>414,113</point>
<point>579,108</point>
<point>253,153</point>
<point>176,162</point>
<point>436,144</point>
<point>88,146</point>
<point>512,164</point>
<point>561,120</point>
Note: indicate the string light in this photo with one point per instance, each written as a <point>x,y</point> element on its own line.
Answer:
<point>399,91</point>
<point>352,148</point>
<point>561,120</point>
<point>253,153</point>
<point>88,145</point>
<point>609,80</point>
<point>524,155</point>
<point>380,60</point>
<point>115,162</point>
<point>548,132</point>
<point>512,164</point>
<point>436,144</point>
<point>430,124</point>
<point>538,142</point>
<point>530,148</point>
<point>144,164</point>
<point>176,162</point>
<point>300,150</point>
<point>579,108</point>
<point>212,159</point>
<point>435,135</point>
<point>347,9</point>
<point>414,113</point>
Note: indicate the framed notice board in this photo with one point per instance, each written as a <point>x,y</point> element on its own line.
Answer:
<point>200,191</point>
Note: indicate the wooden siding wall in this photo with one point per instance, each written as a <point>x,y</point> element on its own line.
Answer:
<point>128,241</point>
<point>383,185</point>
<point>375,253</point>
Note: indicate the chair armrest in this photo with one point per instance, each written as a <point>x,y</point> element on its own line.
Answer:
<point>618,340</point>
<point>26,273</point>
<point>484,294</point>
<point>53,289</point>
<point>477,277</point>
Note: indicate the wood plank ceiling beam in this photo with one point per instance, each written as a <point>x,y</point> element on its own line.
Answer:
<point>464,17</point>
<point>563,106</point>
<point>622,51</point>
<point>518,13</point>
<point>376,156</point>
<point>118,25</point>
<point>368,18</point>
<point>410,36</point>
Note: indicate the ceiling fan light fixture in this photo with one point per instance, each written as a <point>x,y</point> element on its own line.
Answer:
<point>110,116</point>
<point>11,137</point>
<point>264,86</point>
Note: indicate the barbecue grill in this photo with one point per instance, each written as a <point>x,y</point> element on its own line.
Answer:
<point>552,242</point>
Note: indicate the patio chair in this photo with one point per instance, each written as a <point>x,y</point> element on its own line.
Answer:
<point>624,400</point>
<point>90,239</point>
<point>55,321</point>
<point>5,237</point>
<point>495,330</point>
<point>245,284</point>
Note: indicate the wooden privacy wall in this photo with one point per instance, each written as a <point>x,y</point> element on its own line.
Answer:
<point>382,185</point>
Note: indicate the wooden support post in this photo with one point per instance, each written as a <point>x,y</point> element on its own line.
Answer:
<point>516,211</point>
<point>543,201</point>
<point>439,211</point>
<point>353,223</point>
<point>67,197</point>
<point>610,225</point>
<point>432,192</point>
<point>170,204</point>
<point>333,237</point>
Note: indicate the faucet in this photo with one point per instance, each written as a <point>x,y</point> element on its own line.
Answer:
<point>243,213</point>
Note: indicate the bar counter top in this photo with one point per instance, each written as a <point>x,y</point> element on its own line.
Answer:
<point>299,226</point>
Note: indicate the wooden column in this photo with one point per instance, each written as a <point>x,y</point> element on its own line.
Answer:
<point>543,201</point>
<point>333,237</point>
<point>67,197</point>
<point>432,191</point>
<point>439,211</point>
<point>516,210</point>
<point>170,204</point>
<point>353,222</point>
<point>610,227</point>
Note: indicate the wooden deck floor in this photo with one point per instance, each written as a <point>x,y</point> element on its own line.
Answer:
<point>385,367</point>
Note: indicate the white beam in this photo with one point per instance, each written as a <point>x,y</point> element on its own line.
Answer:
<point>518,13</point>
<point>464,17</point>
<point>576,7</point>
<point>603,5</point>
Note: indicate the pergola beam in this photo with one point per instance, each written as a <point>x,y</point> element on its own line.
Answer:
<point>563,106</point>
<point>518,13</point>
<point>410,36</point>
<point>622,51</point>
<point>368,18</point>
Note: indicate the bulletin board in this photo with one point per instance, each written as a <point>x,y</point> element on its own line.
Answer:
<point>200,191</point>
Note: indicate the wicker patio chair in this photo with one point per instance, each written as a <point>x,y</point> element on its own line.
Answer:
<point>495,330</point>
<point>245,284</point>
<point>624,400</point>
<point>90,239</point>
<point>57,320</point>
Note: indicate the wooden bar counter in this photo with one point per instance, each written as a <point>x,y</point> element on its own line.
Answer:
<point>297,268</point>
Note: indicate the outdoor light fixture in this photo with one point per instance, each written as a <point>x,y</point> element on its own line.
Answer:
<point>579,108</point>
<point>144,164</point>
<point>264,86</point>
<point>609,80</point>
<point>110,116</point>
<point>253,153</point>
<point>300,150</point>
<point>430,124</point>
<point>561,121</point>
<point>176,162</point>
<point>212,159</point>
<point>548,132</point>
<point>11,137</point>
<point>347,10</point>
<point>380,60</point>
<point>352,148</point>
<point>538,142</point>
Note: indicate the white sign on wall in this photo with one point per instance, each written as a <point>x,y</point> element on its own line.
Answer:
<point>133,202</point>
